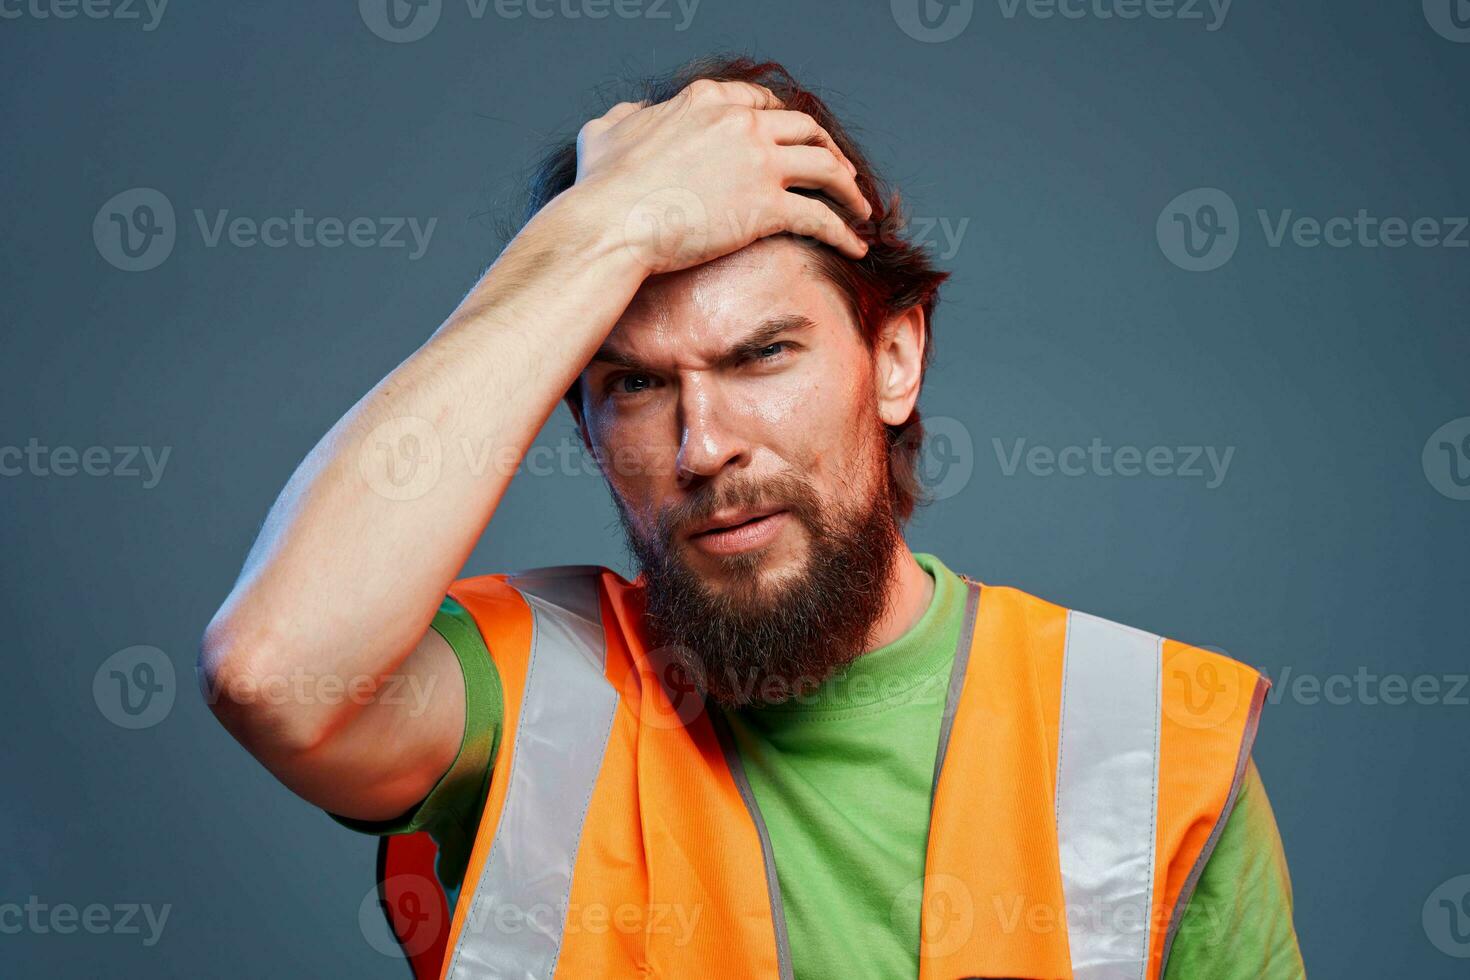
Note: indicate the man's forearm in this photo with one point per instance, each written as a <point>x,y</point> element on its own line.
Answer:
<point>357,551</point>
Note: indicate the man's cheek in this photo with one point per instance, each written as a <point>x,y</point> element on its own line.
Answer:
<point>629,462</point>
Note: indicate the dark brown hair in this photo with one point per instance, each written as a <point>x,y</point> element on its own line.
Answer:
<point>894,276</point>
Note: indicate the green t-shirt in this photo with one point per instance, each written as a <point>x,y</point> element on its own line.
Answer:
<point>843,779</point>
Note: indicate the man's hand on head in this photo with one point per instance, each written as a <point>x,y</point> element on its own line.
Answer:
<point>352,565</point>
<point>712,170</point>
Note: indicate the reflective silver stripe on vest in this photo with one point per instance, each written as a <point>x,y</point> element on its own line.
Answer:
<point>514,925</point>
<point>1107,788</point>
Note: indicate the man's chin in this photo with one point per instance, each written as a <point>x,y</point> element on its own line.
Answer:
<point>767,624</point>
<point>753,577</point>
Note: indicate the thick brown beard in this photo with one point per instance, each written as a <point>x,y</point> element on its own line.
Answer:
<point>743,646</point>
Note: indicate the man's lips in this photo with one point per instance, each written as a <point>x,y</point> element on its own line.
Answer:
<point>731,533</point>
<point>730,519</point>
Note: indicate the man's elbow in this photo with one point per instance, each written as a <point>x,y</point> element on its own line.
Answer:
<point>247,682</point>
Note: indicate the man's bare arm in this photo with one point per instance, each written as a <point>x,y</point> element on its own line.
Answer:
<point>346,574</point>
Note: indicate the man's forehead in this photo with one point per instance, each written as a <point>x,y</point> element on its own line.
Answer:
<point>705,308</point>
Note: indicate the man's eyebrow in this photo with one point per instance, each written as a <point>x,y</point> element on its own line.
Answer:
<point>608,354</point>
<point>768,331</point>
<point>748,346</point>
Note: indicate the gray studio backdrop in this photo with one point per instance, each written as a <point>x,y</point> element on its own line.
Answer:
<point>1202,368</point>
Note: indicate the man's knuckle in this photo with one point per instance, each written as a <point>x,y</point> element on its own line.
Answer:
<point>702,88</point>
<point>740,120</point>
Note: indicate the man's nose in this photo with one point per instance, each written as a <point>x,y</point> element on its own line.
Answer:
<point>709,438</point>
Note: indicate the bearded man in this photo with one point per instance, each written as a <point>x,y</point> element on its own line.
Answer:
<point>790,747</point>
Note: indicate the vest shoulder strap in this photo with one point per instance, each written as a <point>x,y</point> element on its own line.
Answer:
<point>504,609</point>
<point>544,630</point>
<point>1145,740</point>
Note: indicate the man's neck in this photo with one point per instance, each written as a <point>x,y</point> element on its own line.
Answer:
<point>912,590</point>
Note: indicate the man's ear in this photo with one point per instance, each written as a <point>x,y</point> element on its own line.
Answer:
<point>898,364</point>
<point>576,409</point>
<point>574,405</point>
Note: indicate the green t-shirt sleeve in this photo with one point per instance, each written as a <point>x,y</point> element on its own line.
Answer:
<point>451,810</point>
<point>1239,922</point>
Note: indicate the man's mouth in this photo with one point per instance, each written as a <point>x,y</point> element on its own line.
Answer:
<point>730,533</point>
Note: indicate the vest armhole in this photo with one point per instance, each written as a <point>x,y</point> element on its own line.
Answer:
<point>1186,893</point>
<point>406,880</point>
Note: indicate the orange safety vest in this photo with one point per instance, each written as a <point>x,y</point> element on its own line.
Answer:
<point>1084,773</point>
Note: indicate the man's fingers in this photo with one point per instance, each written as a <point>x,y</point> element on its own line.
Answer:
<point>799,129</point>
<point>814,167</point>
<point>622,111</point>
<point>810,217</point>
<point>707,91</point>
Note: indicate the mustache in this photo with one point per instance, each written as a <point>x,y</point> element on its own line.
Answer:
<point>786,491</point>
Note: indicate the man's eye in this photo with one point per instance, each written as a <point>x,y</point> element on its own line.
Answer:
<point>772,351</point>
<point>630,384</point>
